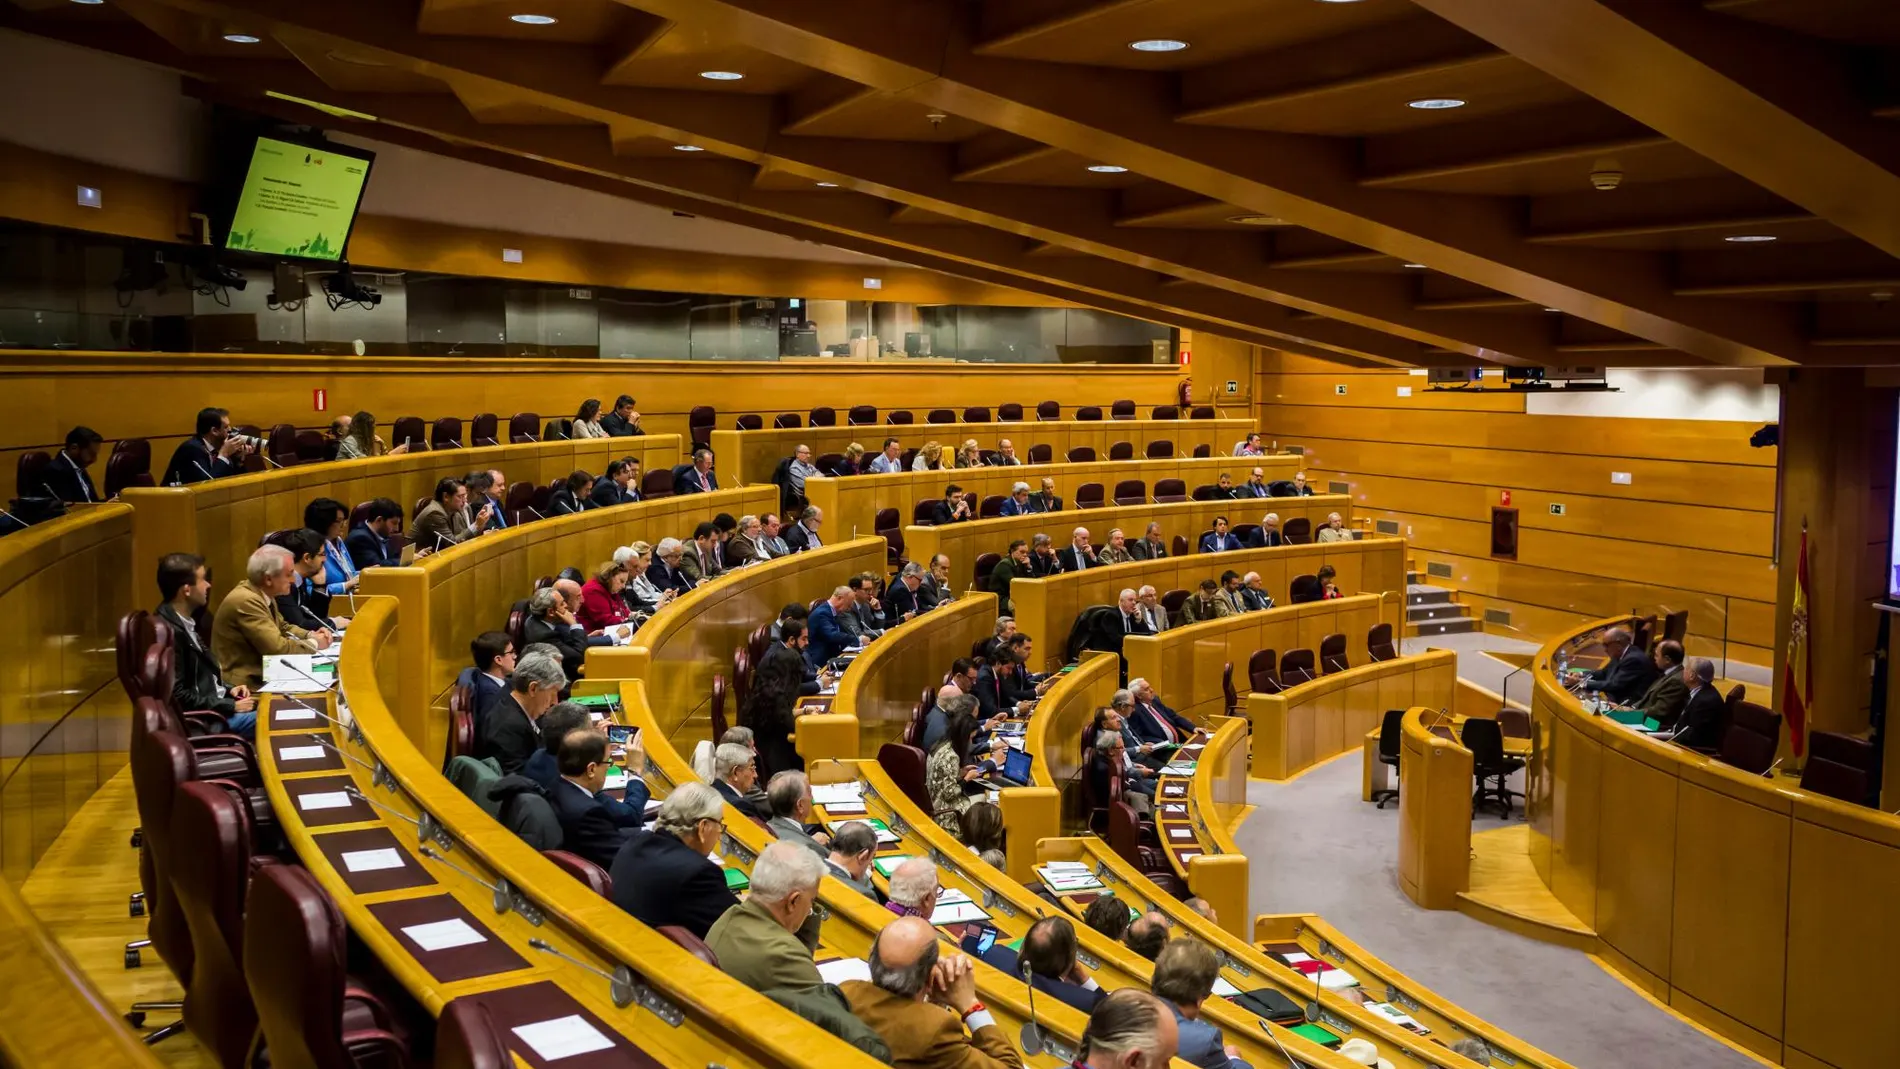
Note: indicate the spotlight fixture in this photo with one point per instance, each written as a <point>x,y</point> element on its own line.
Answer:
<point>1749,239</point>
<point>1106,168</point>
<point>240,38</point>
<point>1256,220</point>
<point>1158,44</point>
<point>687,148</point>
<point>827,185</point>
<point>534,20</point>
<point>1435,103</point>
<point>721,76</point>
<point>1416,267</point>
<point>89,3</point>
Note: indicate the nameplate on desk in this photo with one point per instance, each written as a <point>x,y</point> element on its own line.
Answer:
<point>443,935</point>
<point>1180,833</point>
<point>563,1037</point>
<point>372,860</point>
<point>293,714</point>
<point>324,800</point>
<point>302,753</point>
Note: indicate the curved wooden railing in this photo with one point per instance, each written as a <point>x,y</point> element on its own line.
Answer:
<point>1046,608</point>
<point>1318,720</point>
<point>1195,817</point>
<point>752,455</point>
<point>1054,735</point>
<point>1754,907</point>
<point>50,1014</point>
<point>64,584</point>
<point>852,503</point>
<point>884,683</point>
<point>1434,812</point>
<point>1186,662</point>
<point>456,861</point>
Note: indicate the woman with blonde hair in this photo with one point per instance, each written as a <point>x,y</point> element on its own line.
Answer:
<point>929,458</point>
<point>362,440</point>
<point>853,462</point>
<point>970,455</point>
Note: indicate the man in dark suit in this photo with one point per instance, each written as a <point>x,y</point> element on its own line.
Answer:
<point>1224,488</point>
<point>699,560</point>
<point>494,656</point>
<point>551,621</point>
<point>994,686</point>
<point>1705,712</point>
<point>508,731</point>
<point>1044,561</point>
<point>1045,500</point>
<point>1219,540</point>
<point>1078,554</point>
<point>663,877</point>
<point>623,421</point>
<point>935,588</point>
<point>828,637</point>
<point>1253,596</point>
<point>1268,536</point>
<point>735,770</point>
<point>196,681</point>
<point>306,605</point>
<point>698,477</point>
<point>803,535</point>
<point>368,544</point>
<point>210,453</point>
<point>954,508</point>
<point>1627,674</point>
<point>483,490</point>
<point>1050,964</point>
<point>664,572</point>
<point>1017,503</point>
<point>1154,722</point>
<point>1112,629</point>
<point>1665,698</point>
<point>903,599</point>
<point>66,477</point>
<point>1151,546</point>
<point>586,827</point>
<point>615,487</point>
<point>1013,566</point>
<point>1255,486</point>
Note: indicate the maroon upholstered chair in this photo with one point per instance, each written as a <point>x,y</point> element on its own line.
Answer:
<point>1203,451</point>
<point>1171,603</point>
<point>1332,654</point>
<point>991,507</point>
<point>129,464</point>
<point>700,422</point>
<point>520,499</point>
<point>1167,490</point>
<point>1165,412</point>
<point>559,429</point>
<point>1089,496</point>
<point>823,416</point>
<point>1179,546</point>
<point>1160,449</point>
<point>1122,451</point>
<point>1203,412</point>
<point>861,416</point>
<point>1009,412</point>
<point>976,414</point>
<point>1124,837</point>
<point>1302,589</point>
<point>138,633</point>
<point>1296,667</point>
<point>787,421</point>
<point>466,1037</point>
<point>1231,700</point>
<point>1379,643</point>
<point>693,944</point>
<point>922,513</point>
<point>461,740</point>
<point>1081,454</point>
<point>751,421</point>
<point>483,430</point>
<point>1089,412</point>
<point>1298,531</point>
<point>1676,626</point>
<point>985,564</point>
<point>1747,750</point>
<point>900,418</point>
<point>656,483</point>
<point>741,679</point>
<point>161,763</point>
<point>1048,410</point>
<point>1121,410</point>
<point>524,427</point>
<point>905,765</point>
<point>281,444</point>
<point>212,850</point>
<point>313,447</point>
<point>940,415</point>
<point>1206,492</point>
<point>410,430</point>
<point>1838,766</point>
<point>1131,492</point>
<point>1262,677</point>
<point>1041,453</point>
<point>30,473</point>
<point>446,434</point>
<point>295,948</point>
<point>593,876</point>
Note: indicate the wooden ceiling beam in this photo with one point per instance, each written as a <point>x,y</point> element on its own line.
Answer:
<point>1063,20</point>
<point>564,78</point>
<point>920,48</point>
<point>1509,160</point>
<point>1771,106</point>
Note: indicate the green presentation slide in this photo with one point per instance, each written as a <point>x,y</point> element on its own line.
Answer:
<point>297,201</point>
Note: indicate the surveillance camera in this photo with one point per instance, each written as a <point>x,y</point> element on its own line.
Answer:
<point>1606,180</point>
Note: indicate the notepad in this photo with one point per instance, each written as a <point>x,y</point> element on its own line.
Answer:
<point>444,935</point>
<point>842,808</point>
<point>563,1037</point>
<point>1223,989</point>
<point>1337,979</point>
<point>958,913</point>
<point>1316,1034</point>
<point>884,833</point>
<point>616,779</point>
<point>372,860</point>
<point>830,794</point>
<point>295,713</point>
<point>301,753</point>
<point>838,970</point>
<point>887,865</point>
<point>1180,833</point>
<point>1175,807</point>
<point>737,880</point>
<point>323,800</point>
<point>1179,768</point>
<point>1399,1017</point>
<point>595,701</point>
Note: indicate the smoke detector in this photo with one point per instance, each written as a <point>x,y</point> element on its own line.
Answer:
<point>1606,174</point>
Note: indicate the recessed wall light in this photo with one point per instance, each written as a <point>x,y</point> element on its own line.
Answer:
<point>1106,168</point>
<point>721,76</point>
<point>1255,220</point>
<point>1416,267</point>
<point>240,38</point>
<point>827,185</point>
<point>1158,44</point>
<point>1553,309</point>
<point>687,148</point>
<point>534,20</point>
<point>1435,103</point>
<point>89,3</point>
<point>1749,239</point>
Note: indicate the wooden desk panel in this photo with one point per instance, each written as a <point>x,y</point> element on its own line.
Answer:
<point>1046,608</point>
<point>963,543</point>
<point>1313,722</point>
<point>751,456</point>
<point>1434,813</point>
<point>883,684</point>
<point>853,503</point>
<point>1055,732</point>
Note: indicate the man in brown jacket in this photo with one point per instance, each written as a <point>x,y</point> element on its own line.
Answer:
<point>248,627</point>
<point>905,1003</point>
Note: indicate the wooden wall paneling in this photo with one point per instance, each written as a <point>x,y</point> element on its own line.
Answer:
<point>1635,891</point>
<point>1067,707</point>
<point>883,684</point>
<point>1844,1020</point>
<point>1434,814</point>
<point>1316,721</point>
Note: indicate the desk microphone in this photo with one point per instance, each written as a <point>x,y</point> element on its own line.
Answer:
<point>531,438</point>
<point>272,463</point>
<point>321,685</point>
<point>563,434</point>
<point>202,468</point>
<point>1770,773</point>
<point>1312,1008</point>
<point>536,511</point>
<point>1032,1030</point>
<point>1271,1034</point>
<point>1438,717</point>
<point>441,538</point>
<point>1309,676</point>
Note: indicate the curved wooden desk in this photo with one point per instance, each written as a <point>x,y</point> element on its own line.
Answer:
<point>450,860</point>
<point>883,684</point>
<point>63,716</point>
<point>50,1015</point>
<point>1185,663</point>
<point>1046,608</point>
<point>1067,707</point>
<point>751,456</point>
<point>464,590</point>
<point>1434,812</point>
<point>1318,720</point>
<point>963,543</point>
<point>1195,817</point>
<point>223,520</point>
<point>852,503</point>
<point>1754,907</point>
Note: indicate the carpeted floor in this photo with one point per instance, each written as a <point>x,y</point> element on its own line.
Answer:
<point>1317,848</point>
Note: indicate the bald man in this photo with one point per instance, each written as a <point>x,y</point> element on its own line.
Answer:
<point>1629,671</point>
<point>919,1002</point>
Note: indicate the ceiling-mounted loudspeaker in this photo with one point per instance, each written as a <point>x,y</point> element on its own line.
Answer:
<point>1606,174</point>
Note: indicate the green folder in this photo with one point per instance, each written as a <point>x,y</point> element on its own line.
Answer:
<point>1631,717</point>
<point>887,865</point>
<point>595,701</point>
<point>737,880</point>
<point>1316,1034</point>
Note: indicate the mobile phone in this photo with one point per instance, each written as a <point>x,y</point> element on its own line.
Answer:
<point>621,734</point>
<point>985,941</point>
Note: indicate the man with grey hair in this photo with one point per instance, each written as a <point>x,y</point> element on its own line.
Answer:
<point>734,773</point>
<point>551,620</point>
<point>664,573</point>
<point>1017,503</point>
<point>1473,1049</point>
<point>757,941</point>
<point>249,627</point>
<point>508,732</point>
<point>903,600</point>
<point>800,469</point>
<point>1078,555</point>
<point>936,585</point>
<point>1629,671</point>
<point>908,973</point>
<point>1253,596</point>
<point>1006,454</point>
<point>666,875</point>
<point>803,535</point>
<point>853,849</point>
<point>1700,725</point>
<point>1184,976</point>
<point>1116,551</point>
<point>1334,531</point>
<point>1268,536</point>
<point>1148,602</point>
<point>743,547</point>
<point>914,888</point>
<point>1129,1029</point>
<point>789,796</point>
<point>1044,561</point>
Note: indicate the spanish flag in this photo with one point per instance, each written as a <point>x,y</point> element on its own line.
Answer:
<point>1797,684</point>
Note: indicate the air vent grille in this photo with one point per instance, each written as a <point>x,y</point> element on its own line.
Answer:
<point>1501,617</point>
<point>1437,570</point>
<point>1386,527</point>
<point>1338,488</point>
<point>1296,450</point>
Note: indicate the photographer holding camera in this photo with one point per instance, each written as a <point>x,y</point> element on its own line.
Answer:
<point>212,453</point>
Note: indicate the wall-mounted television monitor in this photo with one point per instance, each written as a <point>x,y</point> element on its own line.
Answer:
<point>298,200</point>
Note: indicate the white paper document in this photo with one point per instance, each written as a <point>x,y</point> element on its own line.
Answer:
<point>444,935</point>
<point>325,800</point>
<point>563,1037</point>
<point>828,794</point>
<point>301,753</point>
<point>959,913</point>
<point>291,715</point>
<point>1180,833</point>
<point>372,860</point>
<point>1335,979</point>
<point>837,972</point>
<point>1223,989</point>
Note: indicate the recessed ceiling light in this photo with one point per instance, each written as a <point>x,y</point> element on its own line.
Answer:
<point>240,38</point>
<point>1158,44</point>
<point>1106,168</point>
<point>687,148</point>
<point>1553,309</point>
<point>1255,220</point>
<point>1416,267</point>
<point>721,76</point>
<point>534,20</point>
<point>89,3</point>
<point>1435,103</point>
<point>827,185</point>
<point>1748,239</point>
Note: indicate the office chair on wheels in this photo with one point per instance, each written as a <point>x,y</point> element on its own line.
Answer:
<point>1488,762</point>
<point>1389,731</point>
